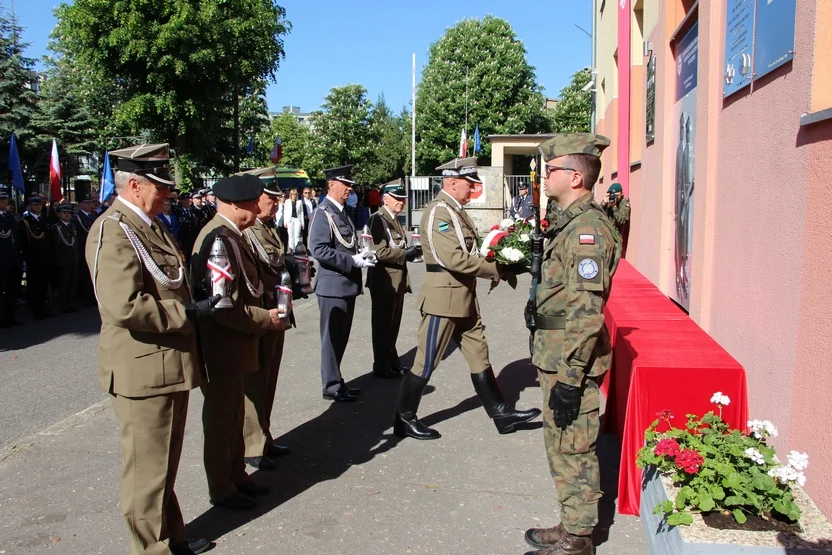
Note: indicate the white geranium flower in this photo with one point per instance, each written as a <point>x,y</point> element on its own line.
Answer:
<point>720,398</point>
<point>801,479</point>
<point>762,428</point>
<point>787,474</point>
<point>506,224</point>
<point>755,455</point>
<point>525,237</point>
<point>798,461</point>
<point>511,254</point>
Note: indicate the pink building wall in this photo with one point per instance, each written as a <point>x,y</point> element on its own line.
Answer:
<point>762,253</point>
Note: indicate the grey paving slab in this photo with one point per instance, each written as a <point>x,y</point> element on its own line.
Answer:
<point>349,487</point>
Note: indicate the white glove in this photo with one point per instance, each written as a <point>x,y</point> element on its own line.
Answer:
<point>371,256</point>
<point>361,262</point>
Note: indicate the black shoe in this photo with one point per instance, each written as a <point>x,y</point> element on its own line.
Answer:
<point>354,391</point>
<point>384,372</point>
<point>253,488</point>
<point>192,547</point>
<point>261,463</point>
<point>236,502</point>
<point>341,396</point>
<point>275,450</point>
<point>505,419</point>
<point>405,423</point>
<point>399,369</point>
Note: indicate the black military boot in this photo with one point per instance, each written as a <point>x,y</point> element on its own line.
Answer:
<point>485,384</point>
<point>384,371</point>
<point>406,424</point>
<point>569,545</point>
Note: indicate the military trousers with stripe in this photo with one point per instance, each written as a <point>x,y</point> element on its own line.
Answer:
<point>436,332</point>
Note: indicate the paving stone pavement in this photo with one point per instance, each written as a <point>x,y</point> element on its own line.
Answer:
<point>350,486</point>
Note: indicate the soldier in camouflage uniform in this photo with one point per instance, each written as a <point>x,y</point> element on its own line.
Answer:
<point>617,207</point>
<point>571,343</point>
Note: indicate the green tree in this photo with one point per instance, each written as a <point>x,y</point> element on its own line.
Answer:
<point>574,110</point>
<point>503,94</point>
<point>342,132</point>
<point>387,159</point>
<point>182,65</point>
<point>18,101</point>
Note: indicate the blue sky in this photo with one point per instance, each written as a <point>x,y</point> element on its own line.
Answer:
<point>371,42</point>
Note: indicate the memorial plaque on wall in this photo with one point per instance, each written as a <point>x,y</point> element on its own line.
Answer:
<point>739,37</point>
<point>651,99</point>
<point>774,35</point>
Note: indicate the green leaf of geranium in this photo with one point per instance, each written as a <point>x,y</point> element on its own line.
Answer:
<point>706,503</point>
<point>739,516</point>
<point>717,493</point>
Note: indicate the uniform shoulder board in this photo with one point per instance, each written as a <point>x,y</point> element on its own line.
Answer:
<point>115,216</point>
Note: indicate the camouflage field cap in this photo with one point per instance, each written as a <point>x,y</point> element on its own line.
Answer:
<point>564,144</point>
<point>461,167</point>
<point>150,161</point>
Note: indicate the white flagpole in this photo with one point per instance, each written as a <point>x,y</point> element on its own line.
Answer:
<point>413,121</point>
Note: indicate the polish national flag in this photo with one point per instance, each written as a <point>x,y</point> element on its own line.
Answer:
<point>463,144</point>
<point>277,151</point>
<point>55,174</point>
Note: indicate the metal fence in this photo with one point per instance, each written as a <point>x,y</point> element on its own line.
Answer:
<point>420,191</point>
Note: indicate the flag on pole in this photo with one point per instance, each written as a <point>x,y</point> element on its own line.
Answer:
<point>55,192</point>
<point>277,151</point>
<point>250,147</point>
<point>463,144</point>
<point>108,184</point>
<point>477,145</point>
<point>14,167</point>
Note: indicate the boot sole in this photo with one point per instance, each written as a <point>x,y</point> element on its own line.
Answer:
<point>511,427</point>
<point>402,434</point>
<point>536,545</point>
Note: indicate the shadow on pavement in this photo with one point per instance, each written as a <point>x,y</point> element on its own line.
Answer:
<point>609,456</point>
<point>35,332</point>
<point>324,448</point>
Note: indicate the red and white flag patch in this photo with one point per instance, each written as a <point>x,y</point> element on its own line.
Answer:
<point>586,239</point>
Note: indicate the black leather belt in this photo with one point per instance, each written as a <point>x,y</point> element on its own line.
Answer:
<point>545,322</point>
<point>435,268</point>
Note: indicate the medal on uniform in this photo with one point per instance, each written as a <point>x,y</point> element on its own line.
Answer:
<point>219,273</point>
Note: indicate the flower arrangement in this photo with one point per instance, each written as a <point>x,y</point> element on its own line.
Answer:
<point>509,242</point>
<point>719,469</point>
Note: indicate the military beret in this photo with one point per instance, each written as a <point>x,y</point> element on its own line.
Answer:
<point>151,161</point>
<point>34,200</point>
<point>564,144</point>
<point>395,190</point>
<point>238,188</point>
<point>615,188</point>
<point>461,167</point>
<point>341,173</point>
<point>63,208</point>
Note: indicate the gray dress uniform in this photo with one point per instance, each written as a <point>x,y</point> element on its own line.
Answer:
<point>333,242</point>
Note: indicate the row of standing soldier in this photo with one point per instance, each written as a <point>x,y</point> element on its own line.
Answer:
<point>165,316</point>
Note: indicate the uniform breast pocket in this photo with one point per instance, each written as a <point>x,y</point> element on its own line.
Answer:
<point>551,273</point>
<point>156,368</point>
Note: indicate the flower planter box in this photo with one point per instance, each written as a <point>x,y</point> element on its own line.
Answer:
<point>700,539</point>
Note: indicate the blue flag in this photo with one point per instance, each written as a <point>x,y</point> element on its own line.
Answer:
<point>250,148</point>
<point>14,167</point>
<point>477,146</point>
<point>108,184</point>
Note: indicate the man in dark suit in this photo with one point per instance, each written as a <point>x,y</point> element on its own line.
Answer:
<point>334,244</point>
<point>82,221</point>
<point>34,241</point>
<point>10,262</point>
<point>388,281</point>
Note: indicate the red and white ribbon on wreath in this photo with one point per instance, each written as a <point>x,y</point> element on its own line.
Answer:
<point>221,273</point>
<point>491,240</point>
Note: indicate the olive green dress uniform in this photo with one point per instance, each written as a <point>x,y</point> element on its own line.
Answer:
<point>388,283</point>
<point>66,248</point>
<point>571,342</point>
<point>260,386</point>
<point>231,345</point>
<point>148,362</point>
<point>448,296</point>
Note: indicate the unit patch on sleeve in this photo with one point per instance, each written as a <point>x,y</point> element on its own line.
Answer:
<point>587,268</point>
<point>443,227</point>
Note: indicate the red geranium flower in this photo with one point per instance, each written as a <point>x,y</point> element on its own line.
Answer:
<point>667,448</point>
<point>690,461</point>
